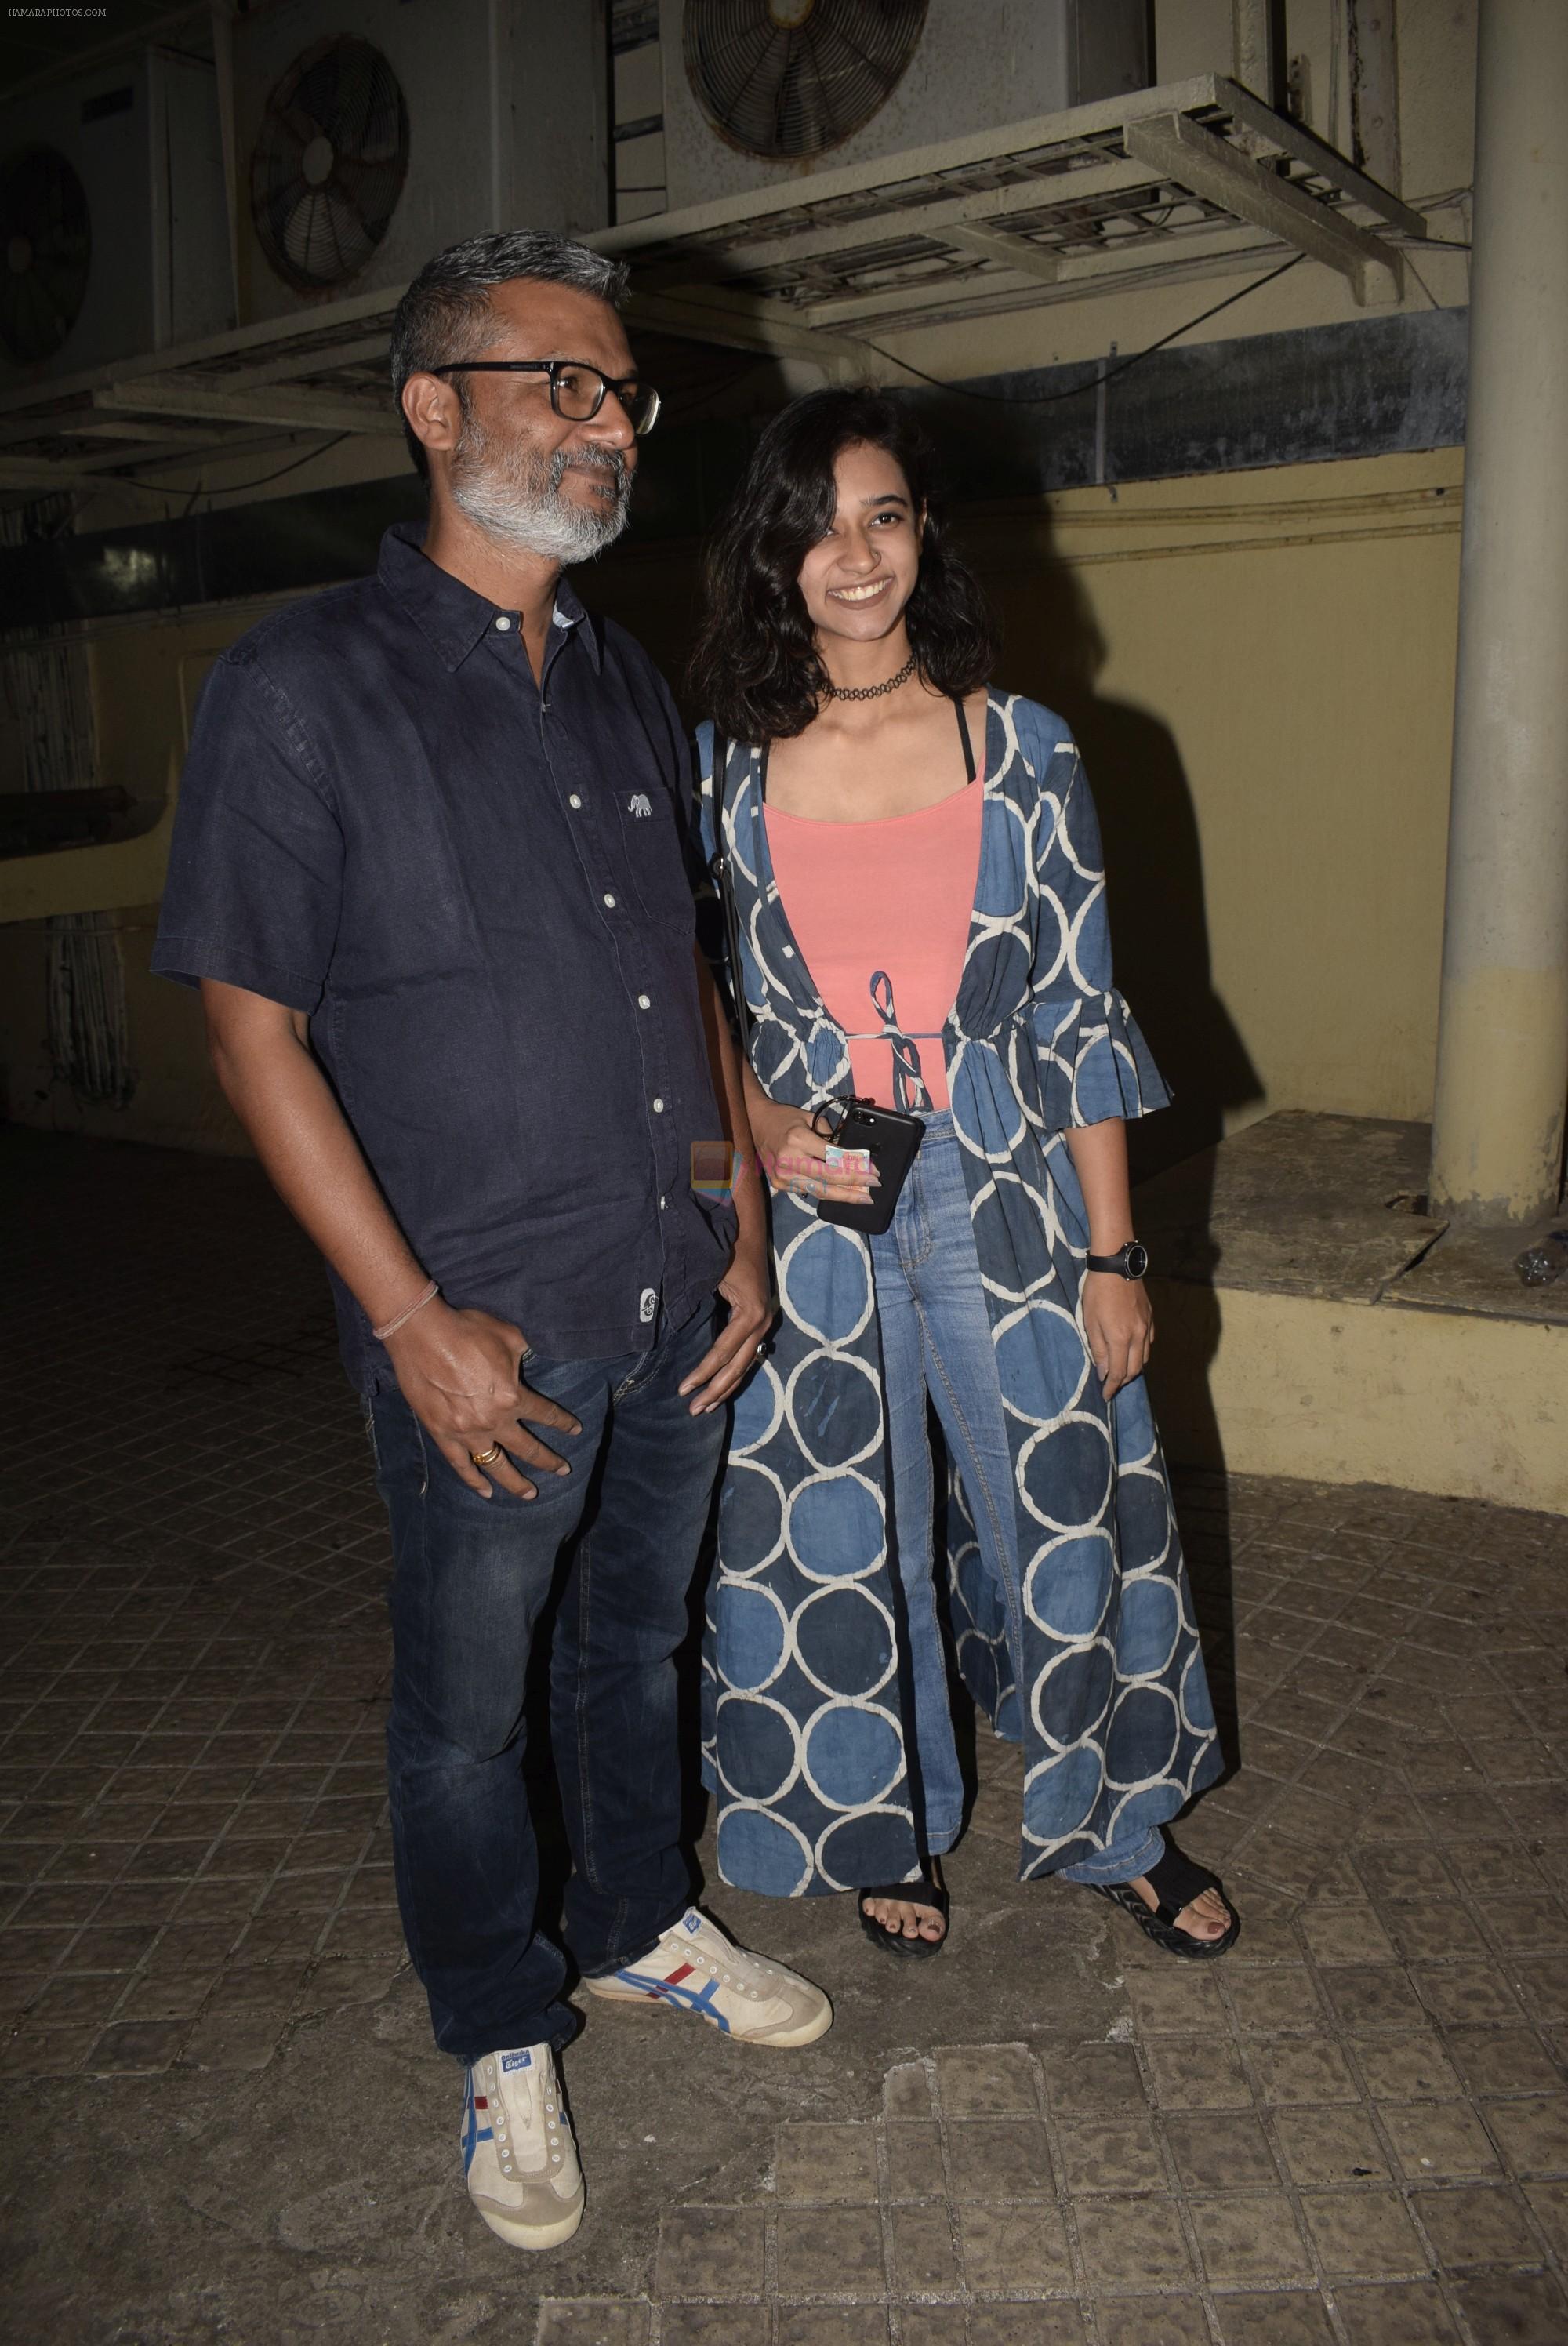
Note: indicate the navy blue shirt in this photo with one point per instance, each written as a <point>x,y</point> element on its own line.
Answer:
<point>479,890</point>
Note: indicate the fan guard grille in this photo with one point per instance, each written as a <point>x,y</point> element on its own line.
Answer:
<point>328,163</point>
<point>46,252</point>
<point>789,78</point>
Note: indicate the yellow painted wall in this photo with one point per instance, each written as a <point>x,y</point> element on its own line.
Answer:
<point>144,680</point>
<point>1260,670</point>
<point>1457,1402</point>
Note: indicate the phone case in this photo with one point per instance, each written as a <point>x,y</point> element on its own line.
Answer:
<point>892,1141</point>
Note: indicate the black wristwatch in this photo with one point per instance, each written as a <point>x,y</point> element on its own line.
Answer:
<point>1131,1263</point>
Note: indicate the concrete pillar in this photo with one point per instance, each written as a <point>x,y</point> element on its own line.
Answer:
<point>1503,1038</point>
<point>1257,48</point>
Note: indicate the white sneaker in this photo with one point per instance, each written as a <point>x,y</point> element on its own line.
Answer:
<point>518,2153</point>
<point>698,1968</point>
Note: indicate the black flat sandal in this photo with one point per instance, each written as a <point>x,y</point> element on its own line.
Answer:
<point>1175,1881</point>
<point>925,1892</point>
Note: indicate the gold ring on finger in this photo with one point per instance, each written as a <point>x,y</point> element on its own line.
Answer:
<point>486,1457</point>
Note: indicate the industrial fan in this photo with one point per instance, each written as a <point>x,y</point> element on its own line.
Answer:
<point>791,78</point>
<point>328,163</point>
<point>46,234</point>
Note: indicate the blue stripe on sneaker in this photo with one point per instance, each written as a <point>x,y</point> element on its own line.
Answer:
<point>473,2134</point>
<point>704,2003</point>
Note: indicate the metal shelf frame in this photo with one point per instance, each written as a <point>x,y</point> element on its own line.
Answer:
<point>1192,180</point>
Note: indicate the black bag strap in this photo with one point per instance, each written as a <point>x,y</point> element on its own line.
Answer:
<point>724,880</point>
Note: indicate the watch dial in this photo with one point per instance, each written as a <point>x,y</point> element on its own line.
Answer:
<point>1138,1260</point>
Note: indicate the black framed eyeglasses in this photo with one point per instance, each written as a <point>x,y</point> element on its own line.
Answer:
<point>578,391</point>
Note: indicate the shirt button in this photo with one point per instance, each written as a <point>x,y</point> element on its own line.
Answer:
<point>574,801</point>
<point>611,902</point>
<point>503,624</point>
<point>644,1003</point>
<point>661,1205</point>
<point>647,1304</point>
<point>658,1107</point>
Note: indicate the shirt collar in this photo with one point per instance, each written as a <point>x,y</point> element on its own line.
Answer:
<point>452,617</point>
<point>573,620</point>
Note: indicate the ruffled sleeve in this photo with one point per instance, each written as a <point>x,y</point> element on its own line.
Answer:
<point>1093,1061</point>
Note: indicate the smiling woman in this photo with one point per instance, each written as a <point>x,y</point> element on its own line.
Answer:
<point>757,669</point>
<point>915,866</point>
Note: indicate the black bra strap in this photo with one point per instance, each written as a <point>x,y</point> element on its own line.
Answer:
<point>964,737</point>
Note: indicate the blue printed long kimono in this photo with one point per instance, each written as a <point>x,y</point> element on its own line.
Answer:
<point>1090,1658</point>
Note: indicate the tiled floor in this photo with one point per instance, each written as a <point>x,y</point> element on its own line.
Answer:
<point>1355,2128</point>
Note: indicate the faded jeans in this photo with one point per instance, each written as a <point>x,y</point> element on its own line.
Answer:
<point>936,1340</point>
<point>472,1578</point>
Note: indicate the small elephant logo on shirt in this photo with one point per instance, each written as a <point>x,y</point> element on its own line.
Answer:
<point>640,804</point>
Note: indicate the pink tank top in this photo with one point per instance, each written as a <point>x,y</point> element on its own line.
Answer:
<point>880,913</point>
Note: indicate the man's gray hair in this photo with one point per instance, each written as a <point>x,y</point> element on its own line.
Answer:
<point>446,313</point>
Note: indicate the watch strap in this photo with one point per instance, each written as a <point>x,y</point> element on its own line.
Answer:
<point>1121,1263</point>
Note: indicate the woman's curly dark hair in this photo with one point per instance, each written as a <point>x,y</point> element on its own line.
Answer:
<point>756,669</point>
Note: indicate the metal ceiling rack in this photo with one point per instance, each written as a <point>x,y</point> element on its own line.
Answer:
<point>1197,179</point>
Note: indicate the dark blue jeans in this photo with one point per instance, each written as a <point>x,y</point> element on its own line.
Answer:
<point>472,1577</point>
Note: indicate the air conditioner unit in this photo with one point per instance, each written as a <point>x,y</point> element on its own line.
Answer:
<point>759,94</point>
<point>112,219</point>
<point>406,127</point>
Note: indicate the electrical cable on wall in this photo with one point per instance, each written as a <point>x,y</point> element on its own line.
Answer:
<point>1094,381</point>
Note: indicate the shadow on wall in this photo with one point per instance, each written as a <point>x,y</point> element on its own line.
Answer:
<point>1055,651</point>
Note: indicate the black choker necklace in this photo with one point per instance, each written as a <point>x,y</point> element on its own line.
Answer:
<point>871,691</point>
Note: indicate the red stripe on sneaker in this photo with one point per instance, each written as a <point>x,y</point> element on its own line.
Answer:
<point>674,1979</point>
<point>480,2102</point>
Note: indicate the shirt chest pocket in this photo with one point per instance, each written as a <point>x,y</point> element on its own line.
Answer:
<point>654,852</point>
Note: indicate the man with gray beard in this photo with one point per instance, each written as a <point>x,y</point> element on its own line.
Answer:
<point>430,874</point>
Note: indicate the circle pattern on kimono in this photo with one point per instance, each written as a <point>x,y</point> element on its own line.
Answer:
<point>851,1850</point>
<point>1070,1457</point>
<point>763,1852</point>
<point>1147,1627</point>
<point>758,1406</point>
<point>1062,1793</point>
<point>1196,1706</point>
<point>854,1755</point>
<point>1069,1587</point>
<point>1143,1511</point>
<point>837,1418</point>
<point>750,1517</point>
<point>1002,882</point>
<point>995,1125</point>
<point>977,1668</point>
<point>1072,1693</point>
<point>982,1597</point>
<point>759,1745</point>
<point>1050,947</point>
<point>818,1612</point>
<point>772,1048</point>
<point>834,1527</point>
<point>1145,1730</point>
<point>1143,1809</point>
<point>752,1637</point>
<point>845,1641</point>
<point>1010,1222</point>
<point>825,1285</point>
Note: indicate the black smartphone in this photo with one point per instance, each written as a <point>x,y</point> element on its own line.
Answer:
<point>893,1138</point>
